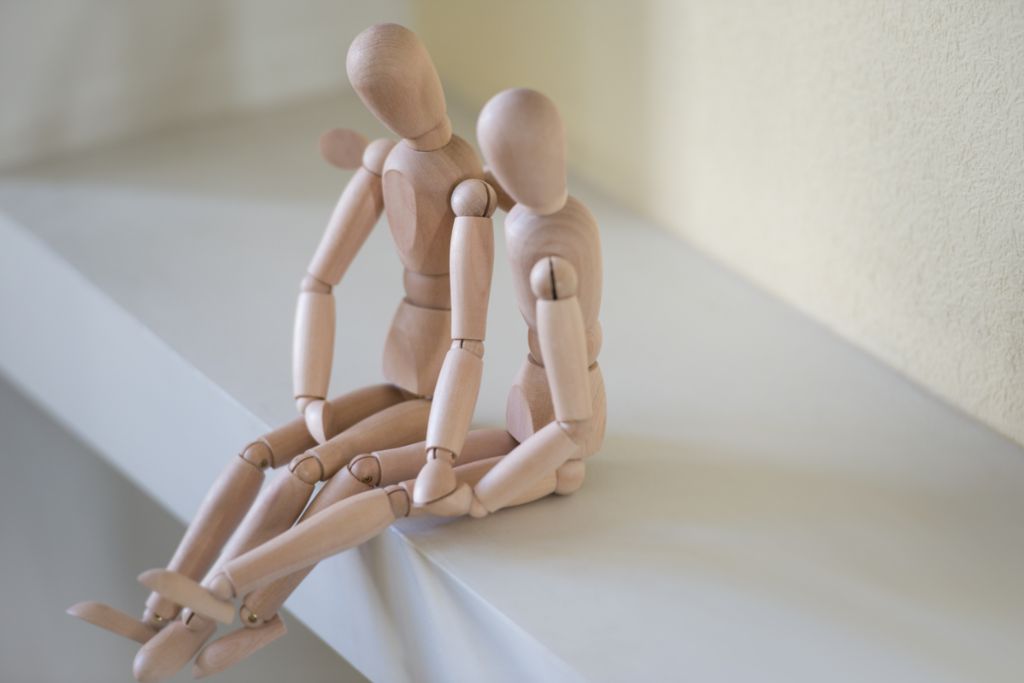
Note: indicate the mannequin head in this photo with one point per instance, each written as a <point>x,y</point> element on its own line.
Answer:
<point>394,76</point>
<point>523,142</point>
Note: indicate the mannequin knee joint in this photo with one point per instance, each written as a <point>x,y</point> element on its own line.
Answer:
<point>307,467</point>
<point>251,619</point>
<point>258,454</point>
<point>366,468</point>
<point>570,477</point>
<point>400,501</point>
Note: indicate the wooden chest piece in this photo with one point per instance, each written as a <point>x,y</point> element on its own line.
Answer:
<point>417,199</point>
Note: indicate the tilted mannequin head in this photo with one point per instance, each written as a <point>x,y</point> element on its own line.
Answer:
<point>394,76</point>
<point>523,142</point>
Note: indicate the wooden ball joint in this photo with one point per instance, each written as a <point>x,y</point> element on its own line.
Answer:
<point>404,446</point>
<point>553,278</point>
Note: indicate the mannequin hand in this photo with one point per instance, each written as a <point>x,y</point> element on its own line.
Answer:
<point>459,502</point>
<point>317,416</point>
<point>436,480</point>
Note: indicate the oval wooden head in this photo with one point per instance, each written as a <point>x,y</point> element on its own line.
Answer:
<point>394,76</point>
<point>523,142</point>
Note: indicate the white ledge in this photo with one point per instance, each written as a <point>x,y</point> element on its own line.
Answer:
<point>771,504</point>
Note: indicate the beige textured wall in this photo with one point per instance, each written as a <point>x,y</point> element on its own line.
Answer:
<point>863,161</point>
<point>75,73</point>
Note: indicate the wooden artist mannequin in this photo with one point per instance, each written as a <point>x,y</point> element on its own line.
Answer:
<point>412,182</point>
<point>556,407</point>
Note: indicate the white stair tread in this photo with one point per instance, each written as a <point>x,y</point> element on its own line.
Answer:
<point>771,503</point>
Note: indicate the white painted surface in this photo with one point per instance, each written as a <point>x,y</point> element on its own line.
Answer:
<point>78,72</point>
<point>863,161</point>
<point>771,504</point>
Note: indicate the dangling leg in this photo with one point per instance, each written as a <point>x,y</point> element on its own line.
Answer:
<point>338,527</point>
<point>259,610</point>
<point>227,502</point>
<point>275,512</point>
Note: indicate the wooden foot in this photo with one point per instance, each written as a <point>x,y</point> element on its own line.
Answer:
<point>171,649</point>
<point>113,620</point>
<point>225,652</point>
<point>220,513</point>
<point>188,593</point>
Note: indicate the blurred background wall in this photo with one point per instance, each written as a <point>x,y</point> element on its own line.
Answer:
<point>863,161</point>
<point>75,73</point>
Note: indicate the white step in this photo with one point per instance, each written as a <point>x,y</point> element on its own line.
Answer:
<point>771,504</point>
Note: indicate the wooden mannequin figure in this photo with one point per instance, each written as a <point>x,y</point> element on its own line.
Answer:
<point>556,407</point>
<point>412,182</point>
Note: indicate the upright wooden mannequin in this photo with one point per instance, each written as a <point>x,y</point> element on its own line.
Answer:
<point>412,182</point>
<point>556,408</point>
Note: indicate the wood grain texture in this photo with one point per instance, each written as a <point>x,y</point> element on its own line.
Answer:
<point>417,193</point>
<point>393,74</point>
<point>571,234</point>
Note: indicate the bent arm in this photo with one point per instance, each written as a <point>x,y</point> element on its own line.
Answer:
<point>354,216</point>
<point>472,262</point>
<point>563,343</point>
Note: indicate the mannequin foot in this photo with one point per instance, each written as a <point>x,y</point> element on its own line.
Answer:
<point>113,620</point>
<point>225,652</point>
<point>184,591</point>
<point>170,650</point>
<point>457,503</point>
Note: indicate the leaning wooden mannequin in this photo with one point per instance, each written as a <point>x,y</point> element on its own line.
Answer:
<point>556,408</point>
<point>412,182</point>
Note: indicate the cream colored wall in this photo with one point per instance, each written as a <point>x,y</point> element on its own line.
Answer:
<point>80,72</point>
<point>863,161</point>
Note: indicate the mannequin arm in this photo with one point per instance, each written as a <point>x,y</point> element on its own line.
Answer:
<point>563,343</point>
<point>356,213</point>
<point>472,260</point>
